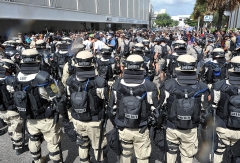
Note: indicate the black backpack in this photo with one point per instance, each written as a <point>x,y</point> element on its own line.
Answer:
<point>164,51</point>
<point>126,49</point>
<point>215,71</point>
<point>105,69</point>
<point>232,46</point>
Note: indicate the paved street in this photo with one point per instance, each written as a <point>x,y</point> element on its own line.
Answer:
<point>70,151</point>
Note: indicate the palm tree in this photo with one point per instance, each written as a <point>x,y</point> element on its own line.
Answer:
<point>220,6</point>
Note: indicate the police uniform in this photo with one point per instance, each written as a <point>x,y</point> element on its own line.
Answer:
<point>106,65</point>
<point>150,55</point>
<point>226,102</point>
<point>68,67</point>
<point>34,91</point>
<point>215,70</point>
<point>8,112</point>
<point>87,94</point>
<point>170,63</point>
<point>183,97</point>
<point>132,100</point>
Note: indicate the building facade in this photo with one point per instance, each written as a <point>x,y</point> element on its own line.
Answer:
<point>234,19</point>
<point>27,15</point>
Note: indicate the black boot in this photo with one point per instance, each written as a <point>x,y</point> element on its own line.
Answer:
<point>21,151</point>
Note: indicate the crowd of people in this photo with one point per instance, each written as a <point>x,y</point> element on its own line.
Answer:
<point>89,77</point>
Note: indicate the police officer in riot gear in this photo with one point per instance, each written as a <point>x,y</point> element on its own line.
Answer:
<point>34,91</point>
<point>132,100</point>
<point>148,53</point>
<point>8,111</point>
<point>225,102</point>
<point>68,68</point>
<point>213,71</point>
<point>170,64</point>
<point>61,57</point>
<point>182,98</point>
<point>87,94</point>
<point>106,65</point>
<point>45,56</point>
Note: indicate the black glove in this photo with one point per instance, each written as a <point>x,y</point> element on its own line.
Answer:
<point>60,102</point>
<point>69,130</point>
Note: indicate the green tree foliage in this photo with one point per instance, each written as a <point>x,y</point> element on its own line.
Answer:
<point>164,20</point>
<point>191,22</point>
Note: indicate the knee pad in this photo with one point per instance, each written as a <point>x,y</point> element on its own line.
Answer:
<point>172,148</point>
<point>36,138</point>
<point>81,140</point>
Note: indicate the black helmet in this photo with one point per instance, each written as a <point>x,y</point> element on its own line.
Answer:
<point>185,38</point>
<point>162,39</point>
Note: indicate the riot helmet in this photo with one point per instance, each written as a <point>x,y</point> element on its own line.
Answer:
<point>138,48</point>
<point>186,62</point>
<point>84,65</point>
<point>40,44</point>
<point>185,38</point>
<point>84,59</point>
<point>186,69</point>
<point>180,47</point>
<point>234,71</point>
<point>218,53</point>
<point>235,65</point>
<point>134,62</point>
<point>6,66</point>
<point>30,56</point>
<point>146,42</point>
<point>106,52</point>
<point>30,61</point>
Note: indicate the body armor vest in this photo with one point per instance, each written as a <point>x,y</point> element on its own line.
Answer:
<point>59,62</point>
<point>215,72</point>
<point>105,69</point>
<point>86,105</point>
<point>28,99</point>
<point>133,108</point>
<point>184,104</point>
<point>170,65</point>
<point>228,109</point>
<point>6,99</point>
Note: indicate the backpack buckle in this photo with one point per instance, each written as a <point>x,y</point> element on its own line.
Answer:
<point>185,93</point>
<point>131,91</point>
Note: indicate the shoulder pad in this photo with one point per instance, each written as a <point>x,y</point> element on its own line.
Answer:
<point>150,86</point>
<point>116,84</point>
<point>146,59</point>
<point>100,82</point>
<point>10,80</point>
<point>202,85</point>
<point>69,80</point>
<point>168,84</point>
<point>42,77</point>
<point>217,86</point>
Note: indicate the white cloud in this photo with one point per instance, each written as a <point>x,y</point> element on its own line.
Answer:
<point>174,7</point>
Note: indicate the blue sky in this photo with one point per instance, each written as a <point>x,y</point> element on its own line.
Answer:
<point>174,7</point>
